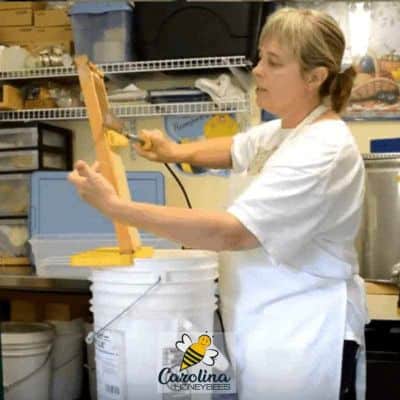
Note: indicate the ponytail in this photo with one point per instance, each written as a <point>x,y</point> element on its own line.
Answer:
<point>340,89</point>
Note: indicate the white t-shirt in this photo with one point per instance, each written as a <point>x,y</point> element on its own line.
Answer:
<point>304,205</point>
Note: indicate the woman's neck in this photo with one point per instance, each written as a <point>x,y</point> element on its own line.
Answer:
<point>293,117</point>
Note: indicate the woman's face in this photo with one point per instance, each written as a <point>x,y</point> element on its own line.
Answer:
<point>279,84</point>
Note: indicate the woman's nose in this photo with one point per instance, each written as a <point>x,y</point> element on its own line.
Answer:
<point>256,71</point>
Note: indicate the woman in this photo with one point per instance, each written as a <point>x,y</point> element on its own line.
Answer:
<point>290,290</point>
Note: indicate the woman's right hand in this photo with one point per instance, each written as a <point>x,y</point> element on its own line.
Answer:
<point>156,146</point>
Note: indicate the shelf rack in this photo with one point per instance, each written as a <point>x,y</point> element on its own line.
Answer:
<point>182,64</point>
<point>132,109</point>
<point>129,110</point>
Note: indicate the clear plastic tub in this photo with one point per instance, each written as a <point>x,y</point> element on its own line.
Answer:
<point>28,160</point>
<point>50,253</point>
<point>14,138</point>
<point>19,160</point>
<point>14,237</point>
<point>103,31</point>
<point>53,139</point>
<point>20,137</point>
<point>14,195</point>
<point>53,160</point>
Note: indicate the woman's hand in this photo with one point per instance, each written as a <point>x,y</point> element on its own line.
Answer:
<point>93,187</point>
<point>157,147</point>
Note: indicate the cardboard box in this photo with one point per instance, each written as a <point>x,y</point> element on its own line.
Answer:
<point>15,35</point>
<point>14,5</point>
<point>22,17</point>
<point>57,312</point>
<point>55,17</point>
<point>23,311</point>
<point>10,99</point>
<point>53,33</point>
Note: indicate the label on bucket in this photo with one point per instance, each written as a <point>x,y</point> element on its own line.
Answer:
<point>110,365</point>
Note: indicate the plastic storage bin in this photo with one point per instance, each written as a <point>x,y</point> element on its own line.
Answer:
<point>55,235</point>
<point>14,195</point>
<point>14,238</point>
<point>103,31</point>
<point>51,252</point>
<point>31,160</point>
<point>20,136</point>
<point>52,189</point>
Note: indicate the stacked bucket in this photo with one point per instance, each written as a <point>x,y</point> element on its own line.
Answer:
<point>140,312</point>
<point>42,361</point>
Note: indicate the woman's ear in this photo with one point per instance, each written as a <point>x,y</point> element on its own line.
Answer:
<point>317,77</point>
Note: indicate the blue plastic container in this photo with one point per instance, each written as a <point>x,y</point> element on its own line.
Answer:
<point>103,31</point>
<point>391,145</point>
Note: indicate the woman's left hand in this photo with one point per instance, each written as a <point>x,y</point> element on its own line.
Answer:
<point>93,187</point>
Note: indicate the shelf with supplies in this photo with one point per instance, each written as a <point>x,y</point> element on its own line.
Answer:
<point>183,64</point>
<point>133,109</point>
<point>129,110</point>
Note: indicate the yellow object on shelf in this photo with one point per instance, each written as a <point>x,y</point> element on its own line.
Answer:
<point>220,126</point>
<point>109,257</point>
<point>4,261</point>
<point>10,98</point>
<point>396,74</point>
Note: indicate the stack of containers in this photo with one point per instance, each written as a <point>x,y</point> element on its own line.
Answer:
<point>25,148</point>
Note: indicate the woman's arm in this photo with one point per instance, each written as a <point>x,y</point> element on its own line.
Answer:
<point>193,228</point>
<point>211,153</point>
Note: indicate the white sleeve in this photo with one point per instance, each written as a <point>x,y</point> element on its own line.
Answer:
<point>285,205</point>
<point>246,144</point>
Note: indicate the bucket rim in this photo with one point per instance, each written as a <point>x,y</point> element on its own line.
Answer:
<point>72,327</point>
<point>108,313</point>
<point>18,333</point>
<point>106,307</point>
<point>209,281</point>
<point>144,269</point>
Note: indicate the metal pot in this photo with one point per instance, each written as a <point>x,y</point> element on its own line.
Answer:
<point>378,242</point>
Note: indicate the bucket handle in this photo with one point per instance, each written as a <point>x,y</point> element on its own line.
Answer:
<point>11,386</point>
<point>76,355</point>
<point>91,337</point>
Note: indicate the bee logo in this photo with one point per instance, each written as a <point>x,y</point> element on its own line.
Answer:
<point>195,353</point>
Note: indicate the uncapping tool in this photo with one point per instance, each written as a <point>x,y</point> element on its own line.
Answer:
<point>133,137</point>
<point>115,128</point>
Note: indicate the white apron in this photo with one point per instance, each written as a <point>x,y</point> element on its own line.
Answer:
<point>288,325</point>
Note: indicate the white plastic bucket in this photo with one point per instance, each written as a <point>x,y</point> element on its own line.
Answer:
<point>26,351</point>
<point>67,360</point>
<point>129,350</point>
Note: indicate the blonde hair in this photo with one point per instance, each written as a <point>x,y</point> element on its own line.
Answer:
<point>316,40</point>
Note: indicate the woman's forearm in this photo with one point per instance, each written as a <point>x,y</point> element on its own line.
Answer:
<point>193,228</point>
<point>211,153</point>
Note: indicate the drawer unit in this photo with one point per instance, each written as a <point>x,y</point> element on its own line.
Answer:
<point>32,160</point>
<point>14,237</point>
<point>34,135</point>
<point>14,195</point>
